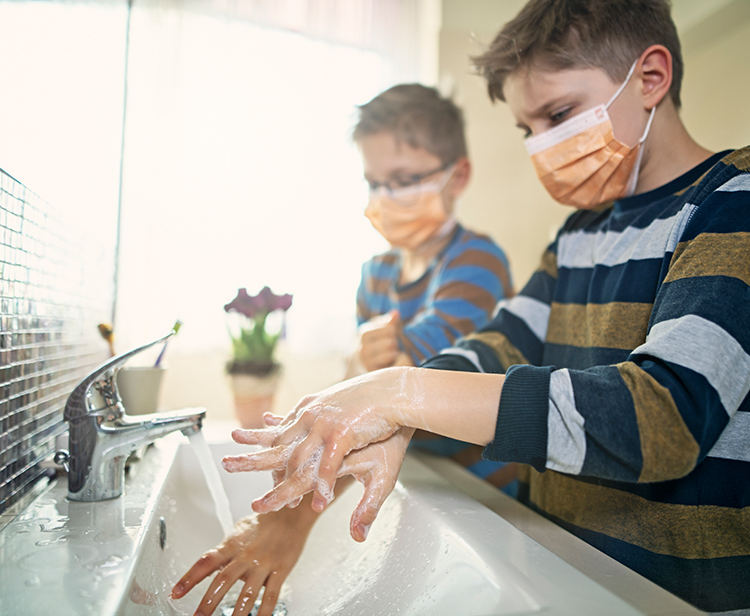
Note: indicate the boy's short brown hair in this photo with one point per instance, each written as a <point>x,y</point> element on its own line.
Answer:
<point>416,115</point>
<point>568,34</point>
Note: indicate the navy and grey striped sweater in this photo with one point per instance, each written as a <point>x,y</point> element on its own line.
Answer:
<point>628,370</point>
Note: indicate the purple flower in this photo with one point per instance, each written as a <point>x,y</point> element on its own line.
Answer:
<point>255,305</point>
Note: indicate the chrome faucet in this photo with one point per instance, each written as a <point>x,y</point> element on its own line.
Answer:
<point>102,435</point>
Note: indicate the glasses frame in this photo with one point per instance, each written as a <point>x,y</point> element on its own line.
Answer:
<point>411,181</point>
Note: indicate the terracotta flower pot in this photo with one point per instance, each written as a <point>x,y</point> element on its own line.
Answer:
<point>253,396</point>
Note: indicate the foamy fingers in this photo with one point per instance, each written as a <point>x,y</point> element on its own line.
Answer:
<point>265,460</point>
<point>264,436</point>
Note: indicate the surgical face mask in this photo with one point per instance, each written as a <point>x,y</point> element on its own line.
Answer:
<point>581,163</point>
<point>407,217</point>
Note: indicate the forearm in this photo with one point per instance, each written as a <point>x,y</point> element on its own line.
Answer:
<point>432,400</point>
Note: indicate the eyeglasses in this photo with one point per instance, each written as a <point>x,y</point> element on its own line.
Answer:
<point>406,190</point>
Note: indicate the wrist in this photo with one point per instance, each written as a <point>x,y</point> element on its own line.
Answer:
<point>399,383</point>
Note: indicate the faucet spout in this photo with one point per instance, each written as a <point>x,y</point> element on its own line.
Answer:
<point>129,432</point>
<point>101,435</point>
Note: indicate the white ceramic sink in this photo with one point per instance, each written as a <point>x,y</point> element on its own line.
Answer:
<point>434,550</point>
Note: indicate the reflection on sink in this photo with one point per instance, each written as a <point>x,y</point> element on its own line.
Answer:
<point>433,551</point>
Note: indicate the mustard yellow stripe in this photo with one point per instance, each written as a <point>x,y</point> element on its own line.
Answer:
<point>739,158</point>
<point>524,473</point>
<point>617,325</point>
<point>667,446</point>
<point>507,354</point>
<point>683,531</point>
<point>548,264</point>
<point>712,254</point>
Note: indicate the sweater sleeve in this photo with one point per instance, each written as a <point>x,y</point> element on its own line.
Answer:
<point>515,335</point>
<point>464,291</point>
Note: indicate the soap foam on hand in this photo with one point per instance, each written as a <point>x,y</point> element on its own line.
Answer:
<point>324,429</point>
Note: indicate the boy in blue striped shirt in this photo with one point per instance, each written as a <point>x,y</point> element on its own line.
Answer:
<point>620,373</point>
<point>439,281</point>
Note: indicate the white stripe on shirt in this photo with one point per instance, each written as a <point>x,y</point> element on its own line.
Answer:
<point>466,354</point>
<point>704,347</point>
<point>736,184</point>
<point>532,312</point>
<point>584,250</point>
<point>566,437</point>
<point>734,442</point>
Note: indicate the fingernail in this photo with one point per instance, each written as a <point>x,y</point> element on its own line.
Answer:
<point>363,530</point>
<point>177,591</point>
<point>318,504</point>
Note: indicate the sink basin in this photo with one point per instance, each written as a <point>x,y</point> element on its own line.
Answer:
<point>435,549</point>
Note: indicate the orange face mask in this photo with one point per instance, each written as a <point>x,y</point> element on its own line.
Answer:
<point>581,163</point>
<point>409,216</point>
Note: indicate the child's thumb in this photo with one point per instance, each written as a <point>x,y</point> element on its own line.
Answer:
<point>394,316</point>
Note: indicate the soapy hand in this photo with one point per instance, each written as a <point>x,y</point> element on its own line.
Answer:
<point>261,551</point>
<point>307,449</point>
<point>377,467</point>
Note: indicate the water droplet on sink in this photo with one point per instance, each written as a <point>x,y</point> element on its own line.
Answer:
<point>45,542</point>
<point>33,581</point>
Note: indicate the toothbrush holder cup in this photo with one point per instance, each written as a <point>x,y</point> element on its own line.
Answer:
<point>140,388</point>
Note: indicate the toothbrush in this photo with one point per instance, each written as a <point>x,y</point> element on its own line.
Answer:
<point>108,333</point>
<point>175,329</point>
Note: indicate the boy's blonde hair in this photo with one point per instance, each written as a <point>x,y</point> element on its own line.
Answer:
<point>570,34</point>
<point>416,115</point>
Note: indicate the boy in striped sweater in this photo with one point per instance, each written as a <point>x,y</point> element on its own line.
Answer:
<point>439,281</point>
<point>620,373</point>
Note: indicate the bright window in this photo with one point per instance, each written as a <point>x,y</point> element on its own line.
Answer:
<point>239,171</point>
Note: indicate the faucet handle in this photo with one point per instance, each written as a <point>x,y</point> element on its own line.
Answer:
<point>98,391</point>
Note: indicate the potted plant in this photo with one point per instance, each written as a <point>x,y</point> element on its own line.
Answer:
<point>253,369</point>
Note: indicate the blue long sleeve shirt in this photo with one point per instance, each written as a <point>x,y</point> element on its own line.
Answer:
<point>454,297</point>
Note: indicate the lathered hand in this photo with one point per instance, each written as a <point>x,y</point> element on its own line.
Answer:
<point>309,446</point>
<point>377,467</point>
<point>307,449</point>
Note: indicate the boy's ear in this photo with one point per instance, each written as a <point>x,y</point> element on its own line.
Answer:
<point>655,74</point>
<point>461,176</point>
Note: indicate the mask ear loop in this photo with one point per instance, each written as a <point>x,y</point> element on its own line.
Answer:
<point>622,85</point>
<point>451,221</point>
<point>637,167</point>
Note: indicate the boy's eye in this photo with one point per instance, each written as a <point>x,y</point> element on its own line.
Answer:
<point>560,116</point>
<point>409,180</point>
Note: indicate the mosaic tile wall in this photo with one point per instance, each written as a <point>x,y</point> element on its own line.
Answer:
<point>55,287</point>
